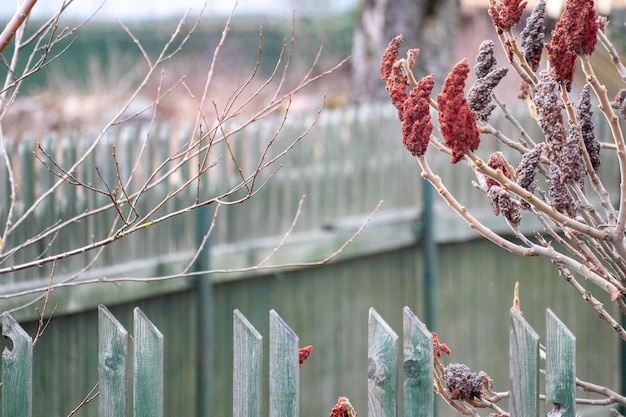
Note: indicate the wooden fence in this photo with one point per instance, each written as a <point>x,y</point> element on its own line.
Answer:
<point>147,384</point>
<point>351,159</point>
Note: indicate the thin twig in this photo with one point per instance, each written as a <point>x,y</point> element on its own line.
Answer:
<point>43,323</point>
<point>91,395</point>
<point>255,268</point>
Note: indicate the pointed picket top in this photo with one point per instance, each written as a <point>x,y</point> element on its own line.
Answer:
<point>284,369</point>
<point>147,367</point>
<point>247,367</point>
<point>560,366</point>
<point>382,362</point>
<point>418,367</point>
<point>112,354</point>
<point>523,367</point>
<point>17,370</point>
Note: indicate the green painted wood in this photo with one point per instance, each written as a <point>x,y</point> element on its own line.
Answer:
<point>523,368</point>
<point>382,362</point>
<point>17,370</point>
<point>112,355</point>
<point>560,367</point>
<point>27,168</point>
<point>247,367</point>
<point>418,367</point>
<point>147,367</point>
<point>283,369</point>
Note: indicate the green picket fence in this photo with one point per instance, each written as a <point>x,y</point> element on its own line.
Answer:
<point>146,383</point>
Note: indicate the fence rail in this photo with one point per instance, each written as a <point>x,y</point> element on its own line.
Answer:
<point>417,370</point>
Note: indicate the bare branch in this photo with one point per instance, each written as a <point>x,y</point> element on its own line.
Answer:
<point>16,21</point>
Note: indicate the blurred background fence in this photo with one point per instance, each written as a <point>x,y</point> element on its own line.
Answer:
<point>350,160</point>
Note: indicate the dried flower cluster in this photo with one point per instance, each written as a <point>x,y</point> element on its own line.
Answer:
<point>343,408</point>
<point>503,204</point>
<point>439,347</point>
<point>572,164</point>
<point>564,151</point>
<point>561,199</point>
<point>304,353</point>
<point>462,383</point>
<point>390,57</point>
<point>485,59</point>
<point>498,162</point>
<point>480,97</point>
<point>527,170</point>
<point>508,15</point>
<point>394,71</point>
<point>533,35</point>
<point>416,123</point>
<point>501,201</point>
<point>574,34</point>
<point>457,121</point>
<point>549,113</point>
<point>557,181</point>
<point>584,117</point>
<point>414,107</point>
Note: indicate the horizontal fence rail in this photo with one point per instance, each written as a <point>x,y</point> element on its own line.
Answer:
<point>417,370</point>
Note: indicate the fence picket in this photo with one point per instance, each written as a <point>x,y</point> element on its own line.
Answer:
<point>418,367</point>
<point>382,362</point>
<point>148,382</point>
<point>560,367</point>
<point>284,369</point>
<point>112,354</point>
<point>17,370</point>
<point>147,368</point>
<point>523,368</point>
<point>247,367</point>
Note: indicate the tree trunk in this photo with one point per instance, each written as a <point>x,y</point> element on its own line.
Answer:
<point>429,25</point>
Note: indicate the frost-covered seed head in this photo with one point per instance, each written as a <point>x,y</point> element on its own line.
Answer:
<point>527,170</point>
<point>562,201</point>
<point>502,203</point>
<point>485,60</point>
<point>572,163</point>
<point>533,35</point>
<point>462,383</point>
<point>585,120</point>
<point>549,106</point>
<point>479,97</point>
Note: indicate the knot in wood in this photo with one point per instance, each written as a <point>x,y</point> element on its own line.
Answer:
<point>376,371</point>
<point>411,368</point>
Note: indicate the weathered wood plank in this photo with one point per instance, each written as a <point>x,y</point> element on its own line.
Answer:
<point>284,369</point>
<point>418,367</point>
<point>382,362</point>
<point>112,355</point>
<point>247,367</point>
<point>523,368</point>
<point>17,370</point>
<point>560,367</point>
<point>147,367</point>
